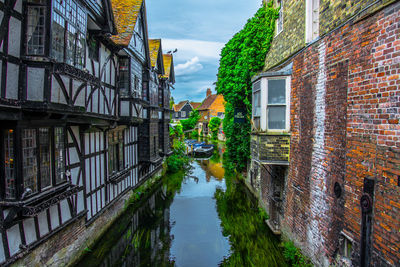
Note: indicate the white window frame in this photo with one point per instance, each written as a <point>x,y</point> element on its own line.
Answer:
<point>183,114</point>
<point>312,20</point>
<point>258,116</point>
<point>264,103</point>
<point>279,20</point>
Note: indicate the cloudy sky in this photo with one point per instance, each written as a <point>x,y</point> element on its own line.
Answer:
<point>198,29</point>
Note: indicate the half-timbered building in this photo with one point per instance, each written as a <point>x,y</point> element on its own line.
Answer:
<point>74,89</point>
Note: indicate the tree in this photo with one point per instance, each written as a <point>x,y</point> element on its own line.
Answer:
<point>241,58</point>
<point>190,122</point>
<point>214,124</point>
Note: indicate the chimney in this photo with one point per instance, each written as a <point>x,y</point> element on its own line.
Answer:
<point>208,92</point>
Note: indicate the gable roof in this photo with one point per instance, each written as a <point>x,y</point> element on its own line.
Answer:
<point>208,102</point>
<point>169,67</point>
<point>195,105</point>
<point>125,13</point>
<point>154,49</point>
<point>180,105</point>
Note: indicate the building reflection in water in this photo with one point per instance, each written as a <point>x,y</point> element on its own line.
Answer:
<point>141,237</point>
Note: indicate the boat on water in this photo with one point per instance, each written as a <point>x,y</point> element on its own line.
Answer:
<point>203,151</point>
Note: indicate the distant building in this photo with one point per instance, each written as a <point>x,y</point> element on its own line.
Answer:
<point>212,106</point>
<point>183,109</point>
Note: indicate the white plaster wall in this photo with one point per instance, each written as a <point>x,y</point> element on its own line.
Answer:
<point>12,81</point>
<point>14,37</point>
<point>35,84</point>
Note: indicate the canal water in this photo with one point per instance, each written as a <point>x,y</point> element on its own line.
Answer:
<point>201,217</point>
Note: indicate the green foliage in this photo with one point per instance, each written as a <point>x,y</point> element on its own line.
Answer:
<point>263,214</point>
<point>241,58</point>
<point>294,256</point>
<point>190,122</point>
<point>194,134</point>
<point>214,124</point>
<point>176,131</point>
<point>178,160</point>
<point>252,243</point>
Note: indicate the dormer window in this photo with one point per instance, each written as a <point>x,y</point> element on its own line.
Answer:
<point>312,20</point>
<point>279,20</point>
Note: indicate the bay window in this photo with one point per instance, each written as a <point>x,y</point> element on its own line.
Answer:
<point>271,103</point>
<point>35,27</point>
<point>115,151</point>
<point>68,33</point>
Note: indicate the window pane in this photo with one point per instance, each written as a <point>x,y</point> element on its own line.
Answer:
<point>276,92</point>
<point>29,159</point>
<point>44,150</point>
<point>9,163</point>
<point>256,104</point>
<point>124,76</point>
<point>35,30</point>
<point>70,51</point>
<point>276,117</point>
<point>80,51</point>
<point>59,154</point>
<point>57,50</point>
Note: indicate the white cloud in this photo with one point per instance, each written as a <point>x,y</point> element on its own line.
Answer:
<point>188,48</point>
<point>189,67</point>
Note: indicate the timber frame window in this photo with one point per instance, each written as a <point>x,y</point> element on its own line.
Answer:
<point>36,27</point>
<point>69,32</point>
<point>42,155</point>
<point>124,77</point>
<point>312,20</point>
<point>115,151</point>
<point>43,158</point>
<point>279,20</point>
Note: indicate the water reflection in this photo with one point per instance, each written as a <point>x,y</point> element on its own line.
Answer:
<point>194,219</point>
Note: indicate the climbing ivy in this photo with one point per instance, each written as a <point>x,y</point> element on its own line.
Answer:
<point>241,58</point>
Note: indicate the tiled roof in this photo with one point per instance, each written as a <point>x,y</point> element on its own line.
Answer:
<point>167,58</point>
<point>125,15</point>
<point>207,102</point>
<point>154,47</point>
<point>195,105</point>
<point>180,105</point>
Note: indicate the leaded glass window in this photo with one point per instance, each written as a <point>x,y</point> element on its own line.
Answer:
<point>40,171</point>
<point>45,159</point>
<point>115,151</point>
<point>59,163</point>
<point>69,20</point>
<point>35,32</point>
<point>29,166</point>
<point>9,163</point>
<point>124,76</point>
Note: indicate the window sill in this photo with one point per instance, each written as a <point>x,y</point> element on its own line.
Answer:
<point>119,176</point>
<point>37,203</point>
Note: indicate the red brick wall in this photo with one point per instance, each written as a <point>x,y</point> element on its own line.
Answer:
<point>345,105</point>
